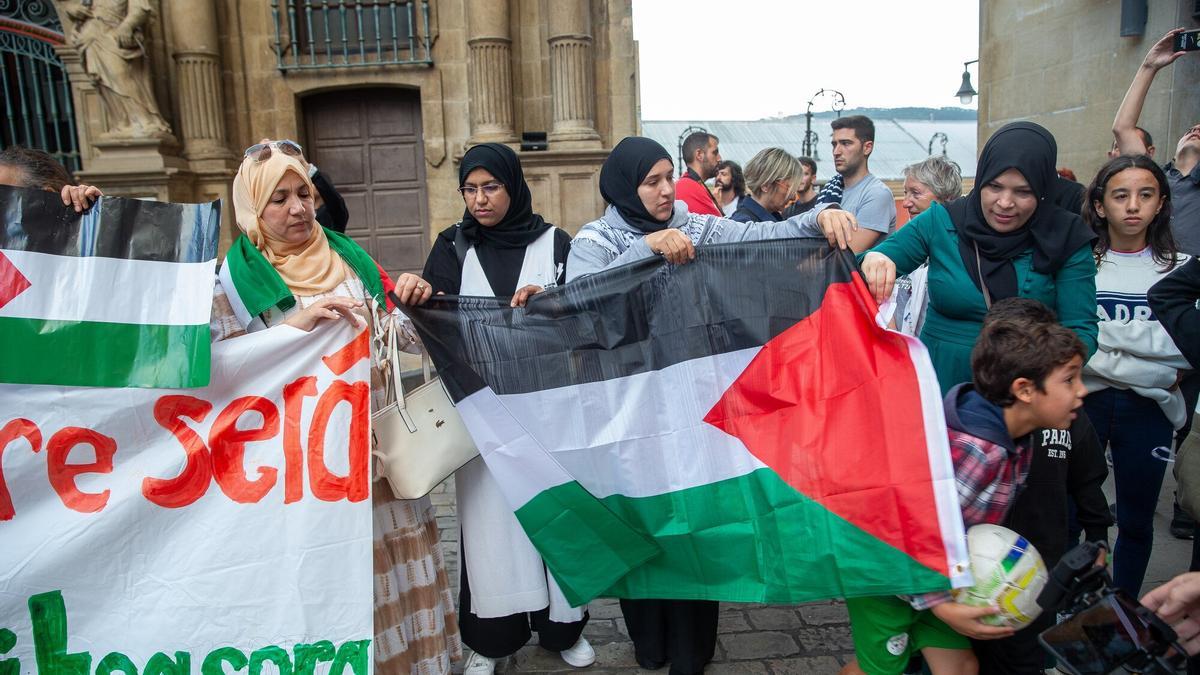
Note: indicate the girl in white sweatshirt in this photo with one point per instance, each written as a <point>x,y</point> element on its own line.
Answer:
<point>1134,400</point>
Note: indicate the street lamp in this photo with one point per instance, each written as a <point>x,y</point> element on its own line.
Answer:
<point>938,136</point>
<point>810,141</point>
<point>810,137</point>
<point>966,92</point>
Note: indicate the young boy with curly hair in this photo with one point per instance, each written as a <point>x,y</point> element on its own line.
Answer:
<point>1026,377</point>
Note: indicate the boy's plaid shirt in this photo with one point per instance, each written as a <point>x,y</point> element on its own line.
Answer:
<point>988,478</point>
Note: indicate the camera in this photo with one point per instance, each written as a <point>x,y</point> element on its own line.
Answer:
<point>1106,629</point>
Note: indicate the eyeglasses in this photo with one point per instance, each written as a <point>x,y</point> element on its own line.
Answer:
<point>489,190</point>
<point>261,152</point>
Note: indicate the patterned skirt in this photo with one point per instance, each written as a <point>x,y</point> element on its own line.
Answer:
<point>416,629</point>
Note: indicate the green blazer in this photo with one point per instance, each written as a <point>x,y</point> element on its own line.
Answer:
<point>956,305</point>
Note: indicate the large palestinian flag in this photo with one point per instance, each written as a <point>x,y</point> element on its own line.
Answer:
<point>737,428</point>
<point>118,296</point>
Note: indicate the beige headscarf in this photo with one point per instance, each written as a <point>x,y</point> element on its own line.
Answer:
<point>307,268</point>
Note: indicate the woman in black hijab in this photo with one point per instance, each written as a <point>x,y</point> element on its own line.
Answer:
<point>501,248</point>
<point>1005,239</point>
<point>643,219</point>
<point>497,226</point>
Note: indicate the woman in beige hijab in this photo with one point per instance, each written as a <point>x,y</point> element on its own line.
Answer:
<point>285,268</point>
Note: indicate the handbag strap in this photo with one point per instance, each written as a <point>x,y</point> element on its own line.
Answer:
<point>387,331</point>
<point>392,373</point>
<point>396,384</point>
<point>987,297</point>
<point>461,245</point>
<point>381,345</point>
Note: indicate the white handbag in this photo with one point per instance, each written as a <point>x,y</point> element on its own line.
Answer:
<point>419,437</point>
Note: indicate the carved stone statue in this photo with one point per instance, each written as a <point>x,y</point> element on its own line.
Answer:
<point>108,35</point>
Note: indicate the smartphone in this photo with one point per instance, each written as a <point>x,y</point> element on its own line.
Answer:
<point>1115,632</point>
<point>1187,41</point>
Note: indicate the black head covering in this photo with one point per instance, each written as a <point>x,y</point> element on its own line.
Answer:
<point>622,173</point>
<point>1053,233</point>
<point>520,226</point>
<point>333,214</point>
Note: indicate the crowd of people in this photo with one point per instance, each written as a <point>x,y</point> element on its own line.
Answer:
<point>1061,322</point>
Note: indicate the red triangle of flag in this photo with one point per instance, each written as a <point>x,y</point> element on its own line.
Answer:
<point>12,282</point>
<point>832,406</point>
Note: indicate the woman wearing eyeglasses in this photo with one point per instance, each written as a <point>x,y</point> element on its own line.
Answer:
<point>485,253</point>
<point>501,248</point>
<point>285,269</point>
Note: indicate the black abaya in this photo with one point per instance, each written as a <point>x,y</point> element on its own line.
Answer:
<point>501,266</point>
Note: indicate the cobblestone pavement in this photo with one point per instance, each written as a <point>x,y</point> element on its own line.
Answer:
<point>756,639</point>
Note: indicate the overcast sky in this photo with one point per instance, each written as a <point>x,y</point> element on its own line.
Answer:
<point>749,59</point>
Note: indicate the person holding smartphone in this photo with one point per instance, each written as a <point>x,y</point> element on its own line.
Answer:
<point>1183,177</point>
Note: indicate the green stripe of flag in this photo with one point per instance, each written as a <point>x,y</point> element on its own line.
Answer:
<point>96,354</point>
<point>752,538</point>
<point>578,531</point>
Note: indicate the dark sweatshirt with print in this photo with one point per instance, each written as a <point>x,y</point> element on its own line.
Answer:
<point>1067,464</point>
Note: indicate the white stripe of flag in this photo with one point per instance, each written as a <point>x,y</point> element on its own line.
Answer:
<point>97,289</point>
<point>637,436</point>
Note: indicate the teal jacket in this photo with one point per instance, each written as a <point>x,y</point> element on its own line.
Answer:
<point>956,305</point>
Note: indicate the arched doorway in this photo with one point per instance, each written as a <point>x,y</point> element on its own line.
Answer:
<point>37,96</point>
<point>368,142</point>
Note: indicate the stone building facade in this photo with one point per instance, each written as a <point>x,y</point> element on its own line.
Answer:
<point>384,95</point>
<point>1065,65</point>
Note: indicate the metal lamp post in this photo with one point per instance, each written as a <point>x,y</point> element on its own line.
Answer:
<point>810,137</point>
<point>966,92</point>
<point>938,137</point>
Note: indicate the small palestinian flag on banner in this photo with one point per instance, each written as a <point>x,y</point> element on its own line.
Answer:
<point>118,296</point>
<point>738,428</point>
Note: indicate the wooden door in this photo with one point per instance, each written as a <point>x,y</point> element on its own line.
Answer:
<point>368,142</point>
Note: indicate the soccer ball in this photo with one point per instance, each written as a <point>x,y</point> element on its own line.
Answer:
<point>1009,574</point>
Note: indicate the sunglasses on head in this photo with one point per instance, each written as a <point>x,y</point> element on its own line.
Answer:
<point>260,152</point>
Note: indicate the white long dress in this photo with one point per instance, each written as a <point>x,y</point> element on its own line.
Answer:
<point>507,576</point>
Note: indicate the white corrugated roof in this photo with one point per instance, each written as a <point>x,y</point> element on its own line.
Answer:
<point>898,143</point>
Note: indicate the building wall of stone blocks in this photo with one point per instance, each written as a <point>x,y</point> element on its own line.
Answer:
<point>1064,65</point>
<point>569,70</point>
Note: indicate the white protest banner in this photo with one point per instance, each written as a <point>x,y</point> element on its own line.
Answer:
<point>205,531</point>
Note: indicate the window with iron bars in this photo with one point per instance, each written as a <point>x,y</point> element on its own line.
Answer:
<point>351,33</point>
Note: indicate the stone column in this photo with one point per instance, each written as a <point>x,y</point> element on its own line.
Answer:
<point>572,80</point>
<point>489,40</point>
<point>197,61</point>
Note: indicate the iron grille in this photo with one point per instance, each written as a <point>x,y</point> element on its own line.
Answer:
<point>38,108</point>
<point>314,34</point>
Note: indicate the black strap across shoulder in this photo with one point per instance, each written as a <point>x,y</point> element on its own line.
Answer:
<point>461,246</point>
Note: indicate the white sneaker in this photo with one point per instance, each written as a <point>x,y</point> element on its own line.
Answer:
<point>580,655</point>
<point>478,664</point>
